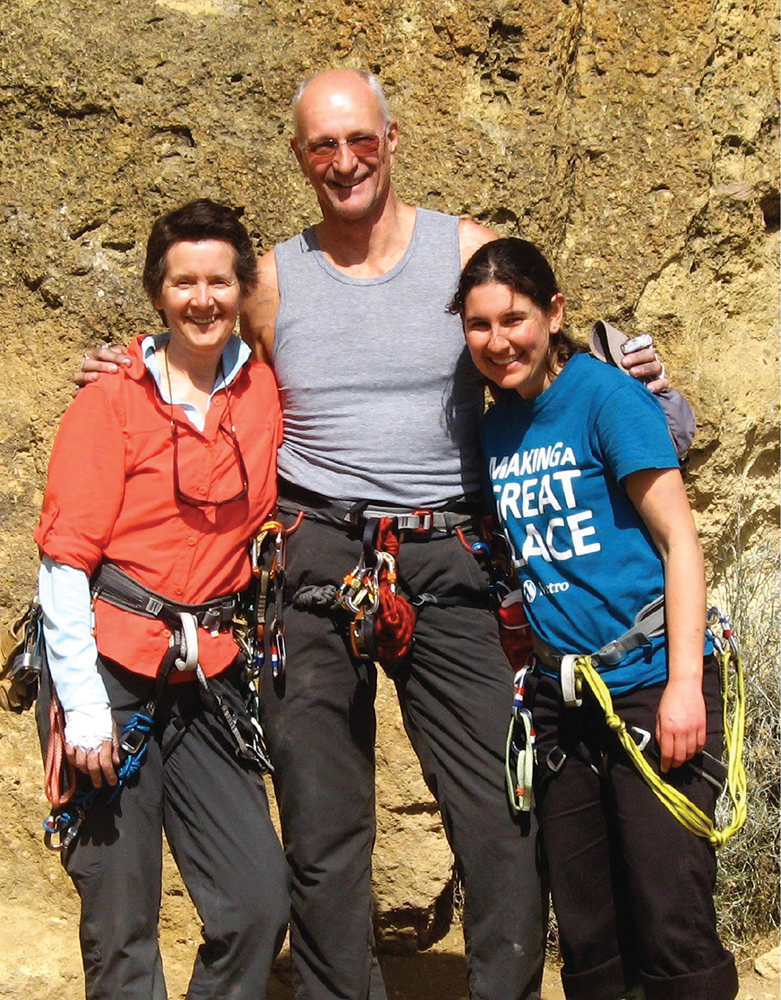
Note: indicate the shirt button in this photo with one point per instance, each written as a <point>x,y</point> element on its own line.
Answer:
<point>166,633</point>
<point>178,591</point>
<point>191,541</point>
<point>201,490</point>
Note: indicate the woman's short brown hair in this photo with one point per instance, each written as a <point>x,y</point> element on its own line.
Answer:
<point>198,220</point>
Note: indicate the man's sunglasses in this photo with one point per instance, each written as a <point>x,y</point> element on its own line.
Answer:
<point>325,150</point>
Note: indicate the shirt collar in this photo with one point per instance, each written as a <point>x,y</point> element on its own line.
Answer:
<point>235,355</point>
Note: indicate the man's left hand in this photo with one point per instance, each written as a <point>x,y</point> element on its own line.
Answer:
<point>646,366</point>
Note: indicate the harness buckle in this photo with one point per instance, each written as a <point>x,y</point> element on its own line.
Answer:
<point>419,521</point>
<point>133,740</point>
<point>153,606</point>
<point>612,654</point>
<point>641,737</point>
<point>212,619</point>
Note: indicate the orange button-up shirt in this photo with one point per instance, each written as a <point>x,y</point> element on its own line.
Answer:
<point>110,495</point>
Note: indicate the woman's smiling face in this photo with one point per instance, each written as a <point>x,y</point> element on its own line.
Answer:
<point>200,295</point>
<point>508,337</point>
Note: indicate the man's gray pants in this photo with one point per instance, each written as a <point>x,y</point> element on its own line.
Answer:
<point>456,698</point>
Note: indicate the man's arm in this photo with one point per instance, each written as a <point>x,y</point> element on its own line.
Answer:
<point>471,236</point>
<point>259,311</point>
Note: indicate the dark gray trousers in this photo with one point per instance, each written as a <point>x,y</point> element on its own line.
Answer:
<point>214,811</point>
<point>456,698</point>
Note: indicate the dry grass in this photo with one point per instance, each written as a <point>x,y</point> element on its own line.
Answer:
<point>747,889</point>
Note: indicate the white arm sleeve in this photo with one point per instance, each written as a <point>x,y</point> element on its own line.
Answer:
<point>71,650</point>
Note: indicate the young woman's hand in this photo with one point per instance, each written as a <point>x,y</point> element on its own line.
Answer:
<point>680,722</point>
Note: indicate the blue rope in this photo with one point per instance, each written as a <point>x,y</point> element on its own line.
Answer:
<point>73,813</point>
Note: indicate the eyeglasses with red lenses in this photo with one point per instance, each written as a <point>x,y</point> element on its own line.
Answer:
<point>324,150</point>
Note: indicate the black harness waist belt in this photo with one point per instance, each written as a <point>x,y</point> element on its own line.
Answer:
<point>344,513</point>
<point>114,586</point>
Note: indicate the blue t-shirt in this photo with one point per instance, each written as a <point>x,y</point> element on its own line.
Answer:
<point>586,561</point>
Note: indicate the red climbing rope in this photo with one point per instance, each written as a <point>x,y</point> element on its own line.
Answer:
<point>57,765</point>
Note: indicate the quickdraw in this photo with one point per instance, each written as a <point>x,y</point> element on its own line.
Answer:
<point>733,699</point>
<point>519,750</point>
<point>252,638</point>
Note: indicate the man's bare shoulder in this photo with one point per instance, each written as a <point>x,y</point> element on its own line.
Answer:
<point>259,312</point>
<point>471,236</point>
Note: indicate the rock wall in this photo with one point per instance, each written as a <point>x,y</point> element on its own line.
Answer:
<point>637,143</point>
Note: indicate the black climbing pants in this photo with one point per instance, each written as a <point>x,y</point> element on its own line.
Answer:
<point>213,808</point>
<point>632,889</point>
<point>456,699</point>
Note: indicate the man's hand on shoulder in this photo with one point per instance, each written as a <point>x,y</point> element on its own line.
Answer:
<point>646,366</point>
<point>106,359</point>
<point>471,236</point>
<point>259,312</point>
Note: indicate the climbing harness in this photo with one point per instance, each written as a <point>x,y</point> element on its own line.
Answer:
<point>115,586</point>
<point>576,670</point>
<point>22,650</point>
<point>379,619</point>
<point>110,584</point>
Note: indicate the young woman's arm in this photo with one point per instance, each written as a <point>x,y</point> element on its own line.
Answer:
<point>661,501</point>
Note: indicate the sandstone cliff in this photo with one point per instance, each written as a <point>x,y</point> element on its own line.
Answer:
<point>637,143</point>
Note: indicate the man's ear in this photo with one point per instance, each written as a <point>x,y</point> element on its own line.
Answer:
<point>297,152</point>
<point>392,135</point>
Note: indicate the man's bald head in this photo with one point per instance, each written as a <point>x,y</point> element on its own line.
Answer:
<point>330,83</point>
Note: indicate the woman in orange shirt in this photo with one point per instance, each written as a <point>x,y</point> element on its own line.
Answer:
<point>157,480</point>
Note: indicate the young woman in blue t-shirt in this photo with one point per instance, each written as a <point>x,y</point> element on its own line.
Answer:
<point>590,496</point>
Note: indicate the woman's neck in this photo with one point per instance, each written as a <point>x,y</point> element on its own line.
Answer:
<point>190,378</point>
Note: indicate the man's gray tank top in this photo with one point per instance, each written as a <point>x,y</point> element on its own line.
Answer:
<point>380,399</point>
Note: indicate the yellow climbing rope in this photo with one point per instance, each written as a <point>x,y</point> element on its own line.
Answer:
<point>734,705</point>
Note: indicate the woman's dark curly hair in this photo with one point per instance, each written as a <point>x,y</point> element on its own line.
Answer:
<point>198,220</point>
<point>520,266</point>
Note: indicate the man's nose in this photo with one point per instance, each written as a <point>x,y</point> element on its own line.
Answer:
<point>344,158</point>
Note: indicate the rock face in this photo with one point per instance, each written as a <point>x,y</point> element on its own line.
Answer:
<point>636,143</point>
